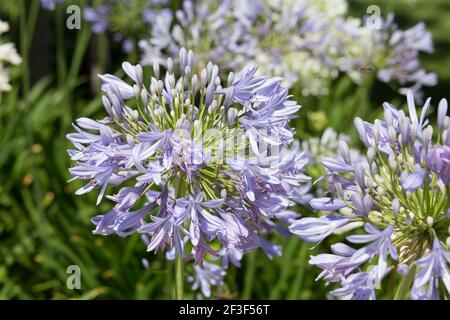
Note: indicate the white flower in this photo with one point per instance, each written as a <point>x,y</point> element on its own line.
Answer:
<point>8,54</point>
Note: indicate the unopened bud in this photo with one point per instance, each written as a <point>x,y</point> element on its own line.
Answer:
<point>156,69</point>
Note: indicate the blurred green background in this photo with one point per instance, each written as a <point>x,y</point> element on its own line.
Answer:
<point>44,227</point>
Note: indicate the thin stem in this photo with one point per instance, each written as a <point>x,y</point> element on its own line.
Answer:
<point>282,282</point>
<point>60,47</point>
<point>24,46</point>
<point>26,23</point>
<point>405,285</point>
<point>249,276</point>
<point>300,273</point>
<point>179,279</point>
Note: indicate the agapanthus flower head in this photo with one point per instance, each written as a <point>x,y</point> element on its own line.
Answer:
<point>403,65</point>
<point>386,49</point>
<point>284,38</point>
<point>288,39</point>
<point>8,55</point>
<point>206,27</point>
<point>191,161</point>
<point>401,197</point>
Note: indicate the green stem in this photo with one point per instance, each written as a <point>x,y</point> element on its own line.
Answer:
<point>249,276</point>
<point>26,23</point>
<point>282,282</point>
<point>300,272</point>
<point>179,277</point>
<point>24,46</point>
<point>32,16</point>
<point>405,285</point>
<point>179,280</point>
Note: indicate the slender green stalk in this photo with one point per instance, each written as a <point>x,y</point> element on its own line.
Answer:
<point>32,16</point>
<point>405,285</point>
<point>26,23</point>
<point>60,47</point>
<point>24,46</point>
<point>300,273</point>
<point>249,275</point>
<point>286,263</point>
<point>179,278</point>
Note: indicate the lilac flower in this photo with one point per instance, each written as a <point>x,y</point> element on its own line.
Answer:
<point>404,65</point>
<point>358,286</point>
<point>414,180</point>
<point>335,266</point>
<point>401,196</point>
<point>50,4</point>
<point>330,149</point>
<point>433,267</point>
<point>184,174</point>
<point>206,276</point>
<point>438,161</point>
<point>8,55</point>
<point>327,204</point>
<point>392,53</point>
<point>317,229</point>
<point>98,18</point>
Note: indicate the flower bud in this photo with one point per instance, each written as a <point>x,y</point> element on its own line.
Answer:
<point>345,152</point>
<point>442,113</point>
<point>170,65</point>
<point>156,69</point>
<point>395,207</point>
<point>231,116</point>
<point>230,79</point>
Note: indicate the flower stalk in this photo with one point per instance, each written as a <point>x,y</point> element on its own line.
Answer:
<point>179,278</point>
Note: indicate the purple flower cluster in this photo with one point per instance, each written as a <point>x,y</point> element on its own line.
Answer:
<point>193,166</point>
<point>285,39</point>
<point>400,195</point>
<point>307,43</point>
<point>404,47</point>
<point>204,27</point>
<point>391,52</point>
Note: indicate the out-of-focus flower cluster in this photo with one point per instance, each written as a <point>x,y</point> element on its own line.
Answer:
<point>401,196</point>
<point>128,20</point>
<point>307,43</point>
<point>8,55</point>
<point>194,163</point>
<point>285,38</point>
<point>384,48</point>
